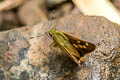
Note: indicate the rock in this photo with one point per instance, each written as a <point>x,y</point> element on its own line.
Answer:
<point>8,20</point>
<point>116,3</point>
<point>27,54</point>
<point>32,12</point>
<point>51,3</point>
<point>63,10</point>
<point>76,11</point>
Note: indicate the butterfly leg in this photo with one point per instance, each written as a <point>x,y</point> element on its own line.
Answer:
<point>82,58</point>
<point>52,46</point>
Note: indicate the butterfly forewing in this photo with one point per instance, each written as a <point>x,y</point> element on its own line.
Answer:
<point>83,47</point>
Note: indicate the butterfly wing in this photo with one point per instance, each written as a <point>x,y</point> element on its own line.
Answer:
<point>83,47</point>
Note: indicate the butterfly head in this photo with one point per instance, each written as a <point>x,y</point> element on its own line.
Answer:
<point>51,32</point>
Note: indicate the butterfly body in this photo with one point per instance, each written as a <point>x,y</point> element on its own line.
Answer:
<point>75,48</point>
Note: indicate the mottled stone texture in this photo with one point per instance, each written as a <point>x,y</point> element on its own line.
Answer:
<point>25,53</point>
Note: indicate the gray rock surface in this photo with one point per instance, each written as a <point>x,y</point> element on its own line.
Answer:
<point>26,55</point>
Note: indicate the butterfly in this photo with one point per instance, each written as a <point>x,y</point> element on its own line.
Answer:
<point>75,48</point>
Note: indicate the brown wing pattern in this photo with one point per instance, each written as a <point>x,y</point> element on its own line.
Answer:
<point>82,46</point>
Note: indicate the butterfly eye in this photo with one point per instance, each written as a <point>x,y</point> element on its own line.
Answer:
<point>50,35</point>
